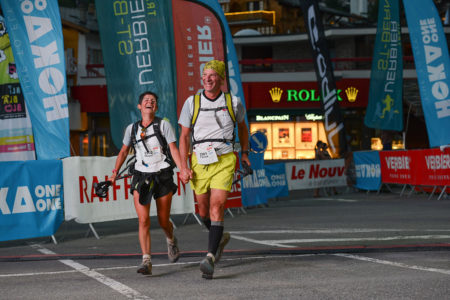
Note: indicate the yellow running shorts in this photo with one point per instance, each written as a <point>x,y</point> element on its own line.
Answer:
<point>218,175</point>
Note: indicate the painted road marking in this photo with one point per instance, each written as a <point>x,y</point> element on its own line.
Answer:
<point>288,243</point>
<point>391,263</point>
<point>115,285</point>
<point>158,265</point>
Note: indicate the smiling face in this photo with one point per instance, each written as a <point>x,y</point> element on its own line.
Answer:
<point>148,104</point>
<point>211,82</point>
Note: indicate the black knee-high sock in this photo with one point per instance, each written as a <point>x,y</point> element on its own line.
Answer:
<point>215,235</point>
<point>207,222</point>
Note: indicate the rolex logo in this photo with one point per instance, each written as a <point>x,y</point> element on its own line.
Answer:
<point>275,94</point>
<point>351,93</point>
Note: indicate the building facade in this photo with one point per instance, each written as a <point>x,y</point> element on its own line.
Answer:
<point>277,72</point>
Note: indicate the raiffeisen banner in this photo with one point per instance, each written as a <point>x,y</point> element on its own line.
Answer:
<point>36,38</point>
<point>432,62</point>
<point>201,33</point>
<point>137,45</point>
<point>334,125</point>
<point>385,108</point>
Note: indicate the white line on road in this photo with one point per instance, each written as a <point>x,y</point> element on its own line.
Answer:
<point>386,238</point>
<point>337,230</point>
<point>268,243</point>
<point>391,263</point>
<point>115,285</point>
<point>157,265</point>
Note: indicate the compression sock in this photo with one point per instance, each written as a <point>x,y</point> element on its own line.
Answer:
<point>207,222</point>
<point>215,235</point>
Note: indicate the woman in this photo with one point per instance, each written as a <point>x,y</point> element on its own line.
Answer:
<point>152,175</point>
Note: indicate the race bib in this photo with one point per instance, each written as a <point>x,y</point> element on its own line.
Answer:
<point>206,156</point>
<point>153,156</point>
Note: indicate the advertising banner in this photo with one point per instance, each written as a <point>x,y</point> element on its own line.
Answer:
<point>36,38</point>
<point>351,92</point>
<point>254,187</point>
<point>432,167</point>
<point>315,174</point>
<point>368,170</point>
<point>431,57</point>
<point>31,203</point>
<point>16,136</point>
<point>82,204</point>
<point>137,45</point>
<point>276,174</point>
<point>398,167</point>
<point>385,109</point>
<point>334,125</point>
<point>201,34</point>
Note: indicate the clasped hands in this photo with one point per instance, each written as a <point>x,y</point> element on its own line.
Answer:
<point>186,175</point>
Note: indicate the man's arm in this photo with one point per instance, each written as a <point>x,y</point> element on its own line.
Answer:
<point>186,173</point>
<point>243,140</point>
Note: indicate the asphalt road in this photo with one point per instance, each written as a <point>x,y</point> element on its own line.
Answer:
<point>348,246</point>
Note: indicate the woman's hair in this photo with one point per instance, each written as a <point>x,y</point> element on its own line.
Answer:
<point>141,96</point>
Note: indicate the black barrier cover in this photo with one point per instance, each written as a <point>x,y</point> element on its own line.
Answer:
<point>334,126</point>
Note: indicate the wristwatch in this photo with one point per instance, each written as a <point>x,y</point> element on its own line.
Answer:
<point>244,152</point>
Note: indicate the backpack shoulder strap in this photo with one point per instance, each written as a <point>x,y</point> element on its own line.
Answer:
<point>230,106</point>
<point>157,130</point>
<point>162,141</point>
<point>196,108</point>
<point>134,130</point>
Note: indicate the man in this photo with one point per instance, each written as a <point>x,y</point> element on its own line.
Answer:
<point>209,119</point>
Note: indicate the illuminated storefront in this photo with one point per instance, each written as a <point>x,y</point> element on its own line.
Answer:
<point>290,115</point>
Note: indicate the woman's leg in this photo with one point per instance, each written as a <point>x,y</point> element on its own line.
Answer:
<point>163,205</point>
<point>143,213</point>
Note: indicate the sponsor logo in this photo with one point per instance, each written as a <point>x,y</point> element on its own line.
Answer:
<point>351,93</point>
<point>275,94</point>
<point>309,95</point>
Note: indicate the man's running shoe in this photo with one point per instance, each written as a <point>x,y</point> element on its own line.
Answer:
<point>223,242</point>
<point>207,267</point>
<point>145,268</point>
<point>172,250</point>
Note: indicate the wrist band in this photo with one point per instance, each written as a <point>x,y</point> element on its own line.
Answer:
<point>244,152</point>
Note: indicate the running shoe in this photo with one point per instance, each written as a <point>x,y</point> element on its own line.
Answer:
<point>172,250</point>
<point>145,268</point>
<point>207,267</point>
<point>223,242</point>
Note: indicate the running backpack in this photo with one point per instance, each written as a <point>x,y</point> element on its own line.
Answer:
<point>161,139</point>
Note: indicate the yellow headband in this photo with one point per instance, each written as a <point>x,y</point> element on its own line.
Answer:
<point>216,65</point>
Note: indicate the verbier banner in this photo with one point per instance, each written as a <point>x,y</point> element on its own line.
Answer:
<point>36,38</point>
<point>432,62</point>
<point>385,108</point>
<point>334,125</point>
<point>137,43</point>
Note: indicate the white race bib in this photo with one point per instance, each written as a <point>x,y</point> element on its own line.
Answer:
<point>206,156</point>
<point>153,156</point>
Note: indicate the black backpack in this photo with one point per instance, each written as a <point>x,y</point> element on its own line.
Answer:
<point>161,139</point>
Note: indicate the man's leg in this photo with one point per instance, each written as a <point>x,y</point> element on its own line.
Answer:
<point>217,203</point>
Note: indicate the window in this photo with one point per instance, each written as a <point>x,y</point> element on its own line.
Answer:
<point>255,5</point>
